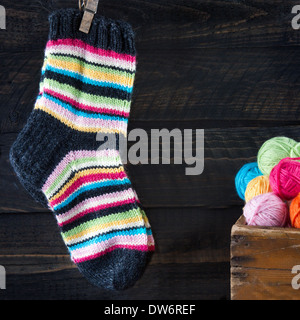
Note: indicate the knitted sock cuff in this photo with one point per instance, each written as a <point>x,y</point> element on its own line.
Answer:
<point>105,33</point>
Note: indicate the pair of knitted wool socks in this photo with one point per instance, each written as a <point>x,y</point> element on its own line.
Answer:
<point>86,88</point>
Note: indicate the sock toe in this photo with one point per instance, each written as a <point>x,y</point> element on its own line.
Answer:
<point>117,270</point>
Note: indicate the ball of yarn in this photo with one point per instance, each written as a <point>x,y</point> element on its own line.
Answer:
<point>257,186</point>
<point>285,178</point>
<point>266,210</point>
<point>295,212</point>
<point>295,152</point>
<point>272,151</point>
<point>247,173</point>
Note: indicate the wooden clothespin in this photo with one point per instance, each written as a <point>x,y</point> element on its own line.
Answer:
<point>90,9</point>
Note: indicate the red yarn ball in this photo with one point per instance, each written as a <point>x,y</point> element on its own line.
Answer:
<point>285,178</point>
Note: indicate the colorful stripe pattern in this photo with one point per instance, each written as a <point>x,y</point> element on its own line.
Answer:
<point>95,205</point>
<point>88,89</point>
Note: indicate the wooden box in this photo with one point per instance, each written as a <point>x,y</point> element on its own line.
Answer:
<point>265,263</point>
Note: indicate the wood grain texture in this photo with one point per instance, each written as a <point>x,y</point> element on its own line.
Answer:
<point>234,86</point>
<point>198,231</point>
<point>229,67</point>
<point>226,150</point>
<point>206,281</point>
<point>193,264</point>
<point>261,262</point>
<point>185,23</point>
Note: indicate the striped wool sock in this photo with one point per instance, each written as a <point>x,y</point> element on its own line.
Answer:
<point>86,88</point>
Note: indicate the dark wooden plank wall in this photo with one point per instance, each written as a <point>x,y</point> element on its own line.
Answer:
<point>229,67</point>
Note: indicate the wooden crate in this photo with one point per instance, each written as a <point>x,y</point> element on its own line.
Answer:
<point>262,259</point>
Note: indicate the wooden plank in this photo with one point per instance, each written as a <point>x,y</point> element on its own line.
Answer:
<point>262,260</point>
<point>168,24</point>
<point>262,284</point>
<point>261,243</point>
<point>202,64</point>
<point>191,260</point>
<point>258,84</point>
<point>223,87</point>
<point>207,281</point>
<point>194,235</point>
<point>226,150</point>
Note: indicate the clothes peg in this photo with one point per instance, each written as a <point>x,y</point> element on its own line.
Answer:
<point>90,9</point>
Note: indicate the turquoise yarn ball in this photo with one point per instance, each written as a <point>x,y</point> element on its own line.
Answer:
<point>247,173</point>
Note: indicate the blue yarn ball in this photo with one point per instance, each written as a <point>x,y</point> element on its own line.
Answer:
<point>247,173</point>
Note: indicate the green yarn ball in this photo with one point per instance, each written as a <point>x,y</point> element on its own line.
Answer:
<point>272,151</point>
<point>295,152</point>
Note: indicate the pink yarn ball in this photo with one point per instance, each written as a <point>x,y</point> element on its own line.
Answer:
<point>266,210</point>
<point>285,178</point>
